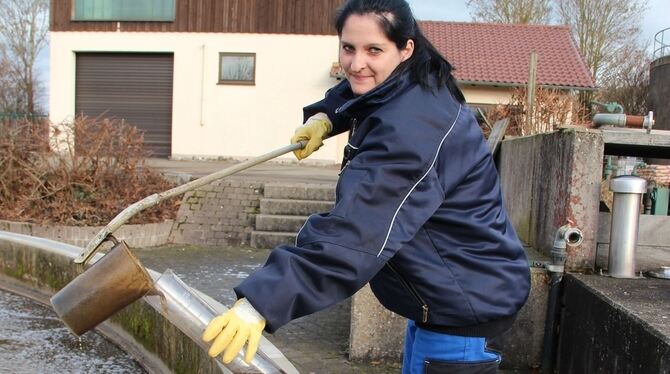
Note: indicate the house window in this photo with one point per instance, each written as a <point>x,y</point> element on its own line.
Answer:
<point>237,68</point>
<point>124,10</point>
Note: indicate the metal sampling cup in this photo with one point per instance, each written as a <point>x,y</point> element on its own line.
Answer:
<point>112,283</point>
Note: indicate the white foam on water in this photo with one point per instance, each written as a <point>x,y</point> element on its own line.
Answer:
<point>34,340</point>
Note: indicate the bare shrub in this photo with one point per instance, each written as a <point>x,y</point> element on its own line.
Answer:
<point>21,143</point>
<point>552,108</point>
<point>94,169</point>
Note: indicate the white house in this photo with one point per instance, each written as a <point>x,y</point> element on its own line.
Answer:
<point>205,78</point>
<point>229,78</point>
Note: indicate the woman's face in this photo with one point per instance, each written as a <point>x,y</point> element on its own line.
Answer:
<point>367,56</point>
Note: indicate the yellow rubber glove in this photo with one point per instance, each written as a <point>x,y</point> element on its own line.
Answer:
<point>314,131</point>
<point>232,329</point>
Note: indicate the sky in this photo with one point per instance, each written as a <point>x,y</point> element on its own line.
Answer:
<point>655,19</point>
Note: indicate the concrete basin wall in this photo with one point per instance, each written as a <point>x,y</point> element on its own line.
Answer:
<point>653,246</point>
<point>377,333</point>
<point>552,179</point>
<point>137,236</point>
<point>37,268</point>
<point>612,325</point>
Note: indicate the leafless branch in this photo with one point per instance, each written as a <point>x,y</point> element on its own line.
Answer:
<point>23,34</point>
<point>511,11</point>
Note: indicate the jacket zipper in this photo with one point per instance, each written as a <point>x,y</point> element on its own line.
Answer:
<point>412,291</point>
<point>354,122</point>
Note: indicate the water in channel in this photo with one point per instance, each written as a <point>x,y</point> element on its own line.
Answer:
<point>34,340</point>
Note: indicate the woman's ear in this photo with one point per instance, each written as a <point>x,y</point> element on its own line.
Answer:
<point>406,52</point>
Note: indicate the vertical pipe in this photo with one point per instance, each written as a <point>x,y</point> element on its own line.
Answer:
<point>549,340</point>
<point>625,221</point>
<point>565,236</point>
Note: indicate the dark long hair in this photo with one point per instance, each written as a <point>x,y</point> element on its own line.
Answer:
<point>397,21</point>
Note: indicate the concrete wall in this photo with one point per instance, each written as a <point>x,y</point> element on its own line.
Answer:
<point>146,235</point>
<point>550,180</point>
<point>377,333</point>
<point>521,346</point>
<point>139,329</point>
<point>613,326</point>
<point>37,268</point>
<point>653,246</point>
<point>220,213</point>
<point>210,119</point>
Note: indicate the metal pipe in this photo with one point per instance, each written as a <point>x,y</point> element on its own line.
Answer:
<point>565,236</point>
<point>191,314</point>
<point>625,220</point>
<point>624,120</point>
<point>612,119</point>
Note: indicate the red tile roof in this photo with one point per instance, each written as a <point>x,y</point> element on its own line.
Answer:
<point>500,53</point>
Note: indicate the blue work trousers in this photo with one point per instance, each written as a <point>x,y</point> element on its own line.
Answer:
<point>429,352</point>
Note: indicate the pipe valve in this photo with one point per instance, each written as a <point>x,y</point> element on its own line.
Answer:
<point>565,236</point>
<point>573,237</point>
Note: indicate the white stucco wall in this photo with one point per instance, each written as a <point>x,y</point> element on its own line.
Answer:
<point>487,95</point>
<point>209,119</point>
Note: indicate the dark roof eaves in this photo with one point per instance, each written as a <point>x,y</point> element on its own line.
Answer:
<point>519,84</point>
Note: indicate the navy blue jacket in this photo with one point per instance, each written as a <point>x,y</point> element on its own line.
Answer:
<point>418,214</point>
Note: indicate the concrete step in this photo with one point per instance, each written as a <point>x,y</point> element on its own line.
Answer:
<point>265,222</point>
<point>299,191</point>
<point>294,207</point>
<point>267,239</point>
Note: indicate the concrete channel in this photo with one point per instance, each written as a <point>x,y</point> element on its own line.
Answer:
<point>36,268</point>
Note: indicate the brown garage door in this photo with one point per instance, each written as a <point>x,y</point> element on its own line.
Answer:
<point>131,86</point>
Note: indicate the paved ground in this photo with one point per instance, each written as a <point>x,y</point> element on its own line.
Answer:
<point>314,344</point>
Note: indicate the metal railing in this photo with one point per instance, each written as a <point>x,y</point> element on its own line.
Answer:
<point>662,43</point>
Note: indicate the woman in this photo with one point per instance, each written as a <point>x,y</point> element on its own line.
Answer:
<point>418,213</point>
